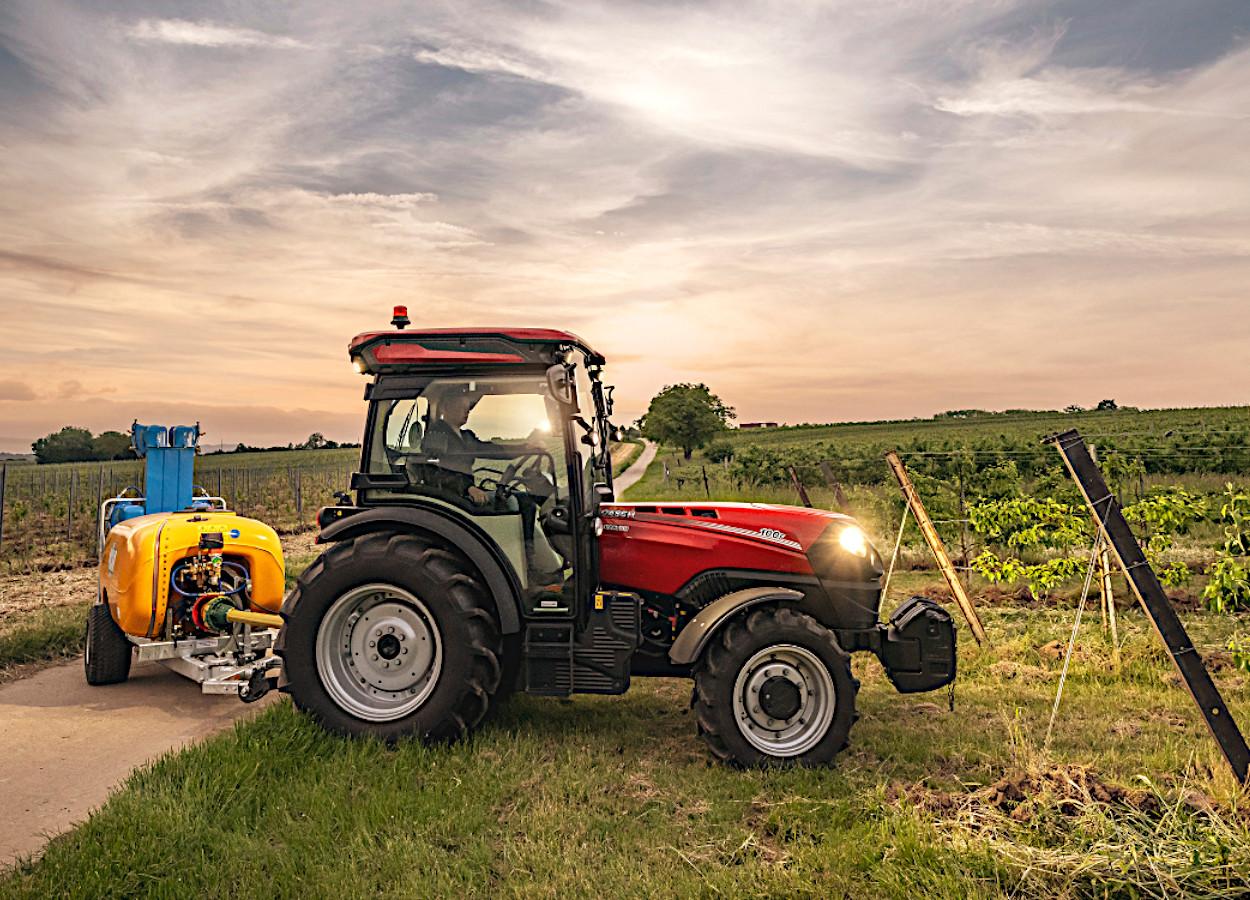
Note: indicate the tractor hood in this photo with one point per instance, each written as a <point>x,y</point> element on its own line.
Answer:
<point>666,547</point>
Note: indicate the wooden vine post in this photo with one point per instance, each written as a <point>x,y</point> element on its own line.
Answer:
<point>936,545</point>
<point>834,486</point>
<point>798,486</point>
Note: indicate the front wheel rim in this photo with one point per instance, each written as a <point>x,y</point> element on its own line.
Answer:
<point>784,700</point>
<point>379,652</point>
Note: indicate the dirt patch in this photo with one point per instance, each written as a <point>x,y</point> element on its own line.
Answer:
<point>1021,796</point>
<point>21,594</point>
<point>997,595</point>
<point>1008,669</point>
<point>763,840</point>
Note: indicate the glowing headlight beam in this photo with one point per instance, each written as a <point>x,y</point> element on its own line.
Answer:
<point>853,540</point>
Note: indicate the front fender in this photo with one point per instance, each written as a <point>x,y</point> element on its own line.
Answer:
<point>695,636</point>
<point>497,572</point>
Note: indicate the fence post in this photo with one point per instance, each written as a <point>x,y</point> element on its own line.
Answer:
<point>707,490</point>
<point>798,486</point>
<point>4,477</point>
<point>99,508</point>
<point>834,486</point>
<point>299,496</point>
<point>69,509</point>
<point>963,534</point>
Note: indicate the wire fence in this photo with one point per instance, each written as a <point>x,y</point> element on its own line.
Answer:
<point>50,513</point>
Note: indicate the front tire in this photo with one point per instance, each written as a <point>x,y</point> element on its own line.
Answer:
<point>107,656</point>
<point>775,689</point>
<point>390,635</point>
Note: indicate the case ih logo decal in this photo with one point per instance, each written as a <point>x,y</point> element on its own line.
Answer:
<point>609,512</point>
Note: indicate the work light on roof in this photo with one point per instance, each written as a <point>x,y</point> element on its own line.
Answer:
<point>400,319</point>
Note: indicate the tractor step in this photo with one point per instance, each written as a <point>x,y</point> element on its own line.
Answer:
<point>557,662</point>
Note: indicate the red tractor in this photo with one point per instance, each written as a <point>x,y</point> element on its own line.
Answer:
<point>484,553</point>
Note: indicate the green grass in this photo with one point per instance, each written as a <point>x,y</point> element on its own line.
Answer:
<point>622,463</point>
<point>50,633</point>
<point>613,797</point>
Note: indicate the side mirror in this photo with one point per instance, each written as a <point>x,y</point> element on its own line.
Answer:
<point>560,384</point>
<point>599,495</point>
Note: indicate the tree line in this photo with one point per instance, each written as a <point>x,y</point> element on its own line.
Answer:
<point>72,444</point>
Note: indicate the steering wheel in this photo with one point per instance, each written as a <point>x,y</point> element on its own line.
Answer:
<point>517,476</point>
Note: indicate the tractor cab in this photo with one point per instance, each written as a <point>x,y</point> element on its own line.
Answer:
<point>505,429</point>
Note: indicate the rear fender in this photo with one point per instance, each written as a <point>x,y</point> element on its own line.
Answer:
<point>695,636</point>
<point>501,580</point>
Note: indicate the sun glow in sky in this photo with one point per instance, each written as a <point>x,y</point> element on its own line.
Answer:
<point>826,211</point>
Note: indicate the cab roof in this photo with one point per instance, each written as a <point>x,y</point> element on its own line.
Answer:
<point>402,350</point>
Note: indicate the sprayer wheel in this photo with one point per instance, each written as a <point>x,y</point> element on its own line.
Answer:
<point>107,659</point>
<point>391,635</point>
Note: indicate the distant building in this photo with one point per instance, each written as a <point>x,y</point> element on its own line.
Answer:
<point>759,425</point>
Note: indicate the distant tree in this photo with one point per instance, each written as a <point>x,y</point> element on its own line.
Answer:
<point>70,444</point>
<point>685,415</point>
<point>316,441</point>
<point>1106,405</point>
<point>112,445</point>
<point>1074,408</point>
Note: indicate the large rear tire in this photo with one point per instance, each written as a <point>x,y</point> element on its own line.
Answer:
<point>391,635</point>
<point>775,689</point>
<point>108,652</point>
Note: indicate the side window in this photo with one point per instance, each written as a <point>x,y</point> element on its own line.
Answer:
<point>404,426</point>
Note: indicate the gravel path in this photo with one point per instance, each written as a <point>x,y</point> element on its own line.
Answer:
<point>634,473</point>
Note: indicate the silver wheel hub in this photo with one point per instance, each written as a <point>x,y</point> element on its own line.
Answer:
<point>784,700</point>
<point>379,652</point>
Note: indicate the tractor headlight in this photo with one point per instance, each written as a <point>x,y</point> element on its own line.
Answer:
<point>853,540</point>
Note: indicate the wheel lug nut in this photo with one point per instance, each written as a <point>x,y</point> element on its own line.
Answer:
<point>390,630</point>
<point>375,657</point>
<point>373,643</point>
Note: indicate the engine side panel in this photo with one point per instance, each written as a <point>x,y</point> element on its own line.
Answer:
<point>644,547</point>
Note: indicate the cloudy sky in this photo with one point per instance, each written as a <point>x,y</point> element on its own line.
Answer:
<point>826,211</point>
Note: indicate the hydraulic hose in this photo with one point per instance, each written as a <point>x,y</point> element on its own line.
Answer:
<point>249,617</point>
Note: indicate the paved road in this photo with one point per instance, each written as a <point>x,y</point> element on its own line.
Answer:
<point>66,746</point>
<point>634,473</point>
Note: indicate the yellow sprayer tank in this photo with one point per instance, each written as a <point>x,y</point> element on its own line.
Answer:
<point>141,557</point>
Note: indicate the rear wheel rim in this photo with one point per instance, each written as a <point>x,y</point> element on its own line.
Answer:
<point>784,700</point>
<point>379,652</point>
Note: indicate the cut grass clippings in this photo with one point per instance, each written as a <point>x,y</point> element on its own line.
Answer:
<point>617,797</point>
